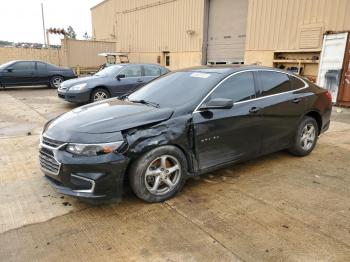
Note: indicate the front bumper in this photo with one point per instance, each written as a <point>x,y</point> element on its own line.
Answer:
<point>97,177</point>
<point>74,97</point>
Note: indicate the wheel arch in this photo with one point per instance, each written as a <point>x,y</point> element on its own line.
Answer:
<point>100,87</point>
<point>317,116</point>
<point>181,148</point>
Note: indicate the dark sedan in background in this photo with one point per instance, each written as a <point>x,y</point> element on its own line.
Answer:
<point>112,81</point>
<point>30,73</point>
<point>183,124</point>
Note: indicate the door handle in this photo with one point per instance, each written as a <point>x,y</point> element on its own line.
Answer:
<point>296,100</point>
<point>254,109</point>
<point>139,81</point>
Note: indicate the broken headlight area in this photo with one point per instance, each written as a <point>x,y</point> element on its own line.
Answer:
<point>93,149</point>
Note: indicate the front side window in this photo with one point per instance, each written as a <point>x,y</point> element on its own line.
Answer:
<point>272,83</point>
<point>239,87</point>
<point>110,71</point>
<point>132,71</point>
<point>27,65</point>
<point>152,70</point>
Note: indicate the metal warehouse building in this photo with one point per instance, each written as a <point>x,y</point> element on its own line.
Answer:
<point>287,34</point>
<point>175,33</point>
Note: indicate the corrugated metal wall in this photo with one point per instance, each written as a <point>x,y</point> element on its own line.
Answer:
<point>52,56</point>
<point>281,24</point>
<point>85,53</point>
<point>103,20</point>
<point>155,26</point>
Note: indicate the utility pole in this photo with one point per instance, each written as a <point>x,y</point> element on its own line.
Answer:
<point>43,18</point>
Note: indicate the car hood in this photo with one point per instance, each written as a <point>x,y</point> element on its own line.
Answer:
<point>80,80</point>
<point>107,116</point>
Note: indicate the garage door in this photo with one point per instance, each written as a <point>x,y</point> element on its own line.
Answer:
<point>227,31</point>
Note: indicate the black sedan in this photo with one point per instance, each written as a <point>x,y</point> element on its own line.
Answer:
<point>183,124</point>
<point>29,73</point>
<point>113,81</point>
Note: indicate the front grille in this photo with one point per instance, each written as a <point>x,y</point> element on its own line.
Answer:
<point>47,162</point>
<point>51,143</point>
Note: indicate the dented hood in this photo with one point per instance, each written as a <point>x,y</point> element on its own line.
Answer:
<point>109,116</point>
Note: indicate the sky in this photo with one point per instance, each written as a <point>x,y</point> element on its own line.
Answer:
<point>20,20</point>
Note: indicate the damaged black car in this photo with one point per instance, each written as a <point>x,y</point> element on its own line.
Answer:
<point>183,124</point>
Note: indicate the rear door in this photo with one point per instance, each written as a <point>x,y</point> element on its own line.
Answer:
<point>41,73</point>
<point>20,73</point>
<point>133,79</point>
<point>281,103</point>
<point>228,135</point>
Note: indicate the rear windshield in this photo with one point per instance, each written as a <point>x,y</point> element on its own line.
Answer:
<point>177,88</point>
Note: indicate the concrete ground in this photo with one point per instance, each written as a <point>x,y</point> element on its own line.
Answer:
<point>276,208</point>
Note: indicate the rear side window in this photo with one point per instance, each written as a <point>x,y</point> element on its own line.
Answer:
<point>41,66</point>
<point>296,83</point>
<point>272,83</point>
<point>239,87</point>
<point>152,70</point>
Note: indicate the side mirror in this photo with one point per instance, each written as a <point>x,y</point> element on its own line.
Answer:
<point>120,76</point>
<point>9,69</point>
<point>217,103</point>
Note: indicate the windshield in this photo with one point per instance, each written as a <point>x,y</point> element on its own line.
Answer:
<point>3,66</point>
<point>110,71</point>
<point>176,89</point>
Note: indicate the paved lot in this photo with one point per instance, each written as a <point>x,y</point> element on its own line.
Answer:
<point>276,208</point>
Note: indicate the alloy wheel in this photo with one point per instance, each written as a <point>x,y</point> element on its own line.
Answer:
<point>162,175</point>
<point>100,95</point>
<point>57,82</point>
<point>308,137</point>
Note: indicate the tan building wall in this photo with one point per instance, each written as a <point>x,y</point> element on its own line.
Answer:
<point>84,53</point>
<point>147,28</point>
<point>291,25</point>
<point>12,53</point>
<point>103,20</point>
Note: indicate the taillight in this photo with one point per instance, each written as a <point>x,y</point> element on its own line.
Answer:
<point>329,96</point>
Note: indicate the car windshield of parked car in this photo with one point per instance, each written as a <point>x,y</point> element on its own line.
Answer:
<point>176,89</point>
<point>110,71</point>
<point>3,66</point>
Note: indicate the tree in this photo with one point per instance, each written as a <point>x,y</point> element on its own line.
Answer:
<point>86,36</point>
<point>71,33</point>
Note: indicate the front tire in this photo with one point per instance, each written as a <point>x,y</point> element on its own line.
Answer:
<point>99,94</point>
<point>306,137</point>
<point>158,174</point>
<point>56,81</point>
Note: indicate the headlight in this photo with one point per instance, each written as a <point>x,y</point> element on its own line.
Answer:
<point>78,87</point>
<point>93,149</point>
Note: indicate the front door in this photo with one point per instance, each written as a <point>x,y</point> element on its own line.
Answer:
<point>130,82</point>
<point>19,73</point>
<point>229,135</point>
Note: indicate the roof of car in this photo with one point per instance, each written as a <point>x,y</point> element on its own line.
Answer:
<point>225,69</point>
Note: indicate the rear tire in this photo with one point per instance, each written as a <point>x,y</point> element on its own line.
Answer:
<point>306,137</point>
<point>158,174</point>
<point>99,94</point>
<point>56,81</point>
